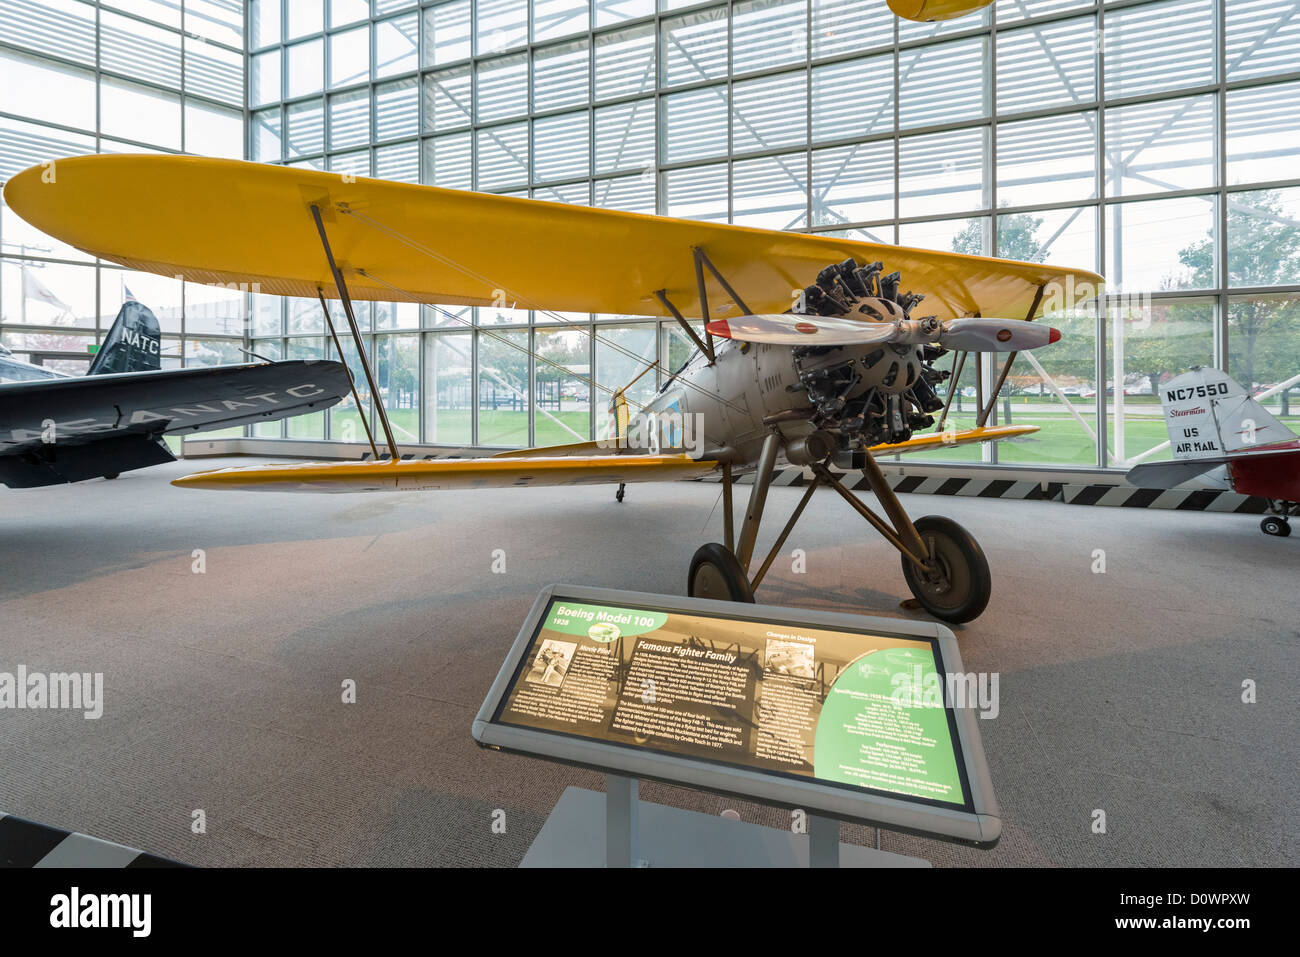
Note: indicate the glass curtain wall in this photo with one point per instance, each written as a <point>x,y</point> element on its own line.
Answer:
<point>117,76</point>
<point>1154,141</point>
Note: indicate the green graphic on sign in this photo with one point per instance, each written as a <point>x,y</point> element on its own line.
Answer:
<point>602,623</point>
<point>884,726</point>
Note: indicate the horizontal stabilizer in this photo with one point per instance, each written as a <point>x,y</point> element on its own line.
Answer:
<point>1171,474</point>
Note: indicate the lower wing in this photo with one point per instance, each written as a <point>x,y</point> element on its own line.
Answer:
<point>529,467</point>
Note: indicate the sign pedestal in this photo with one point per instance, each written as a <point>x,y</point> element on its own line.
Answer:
<point>640,834</point>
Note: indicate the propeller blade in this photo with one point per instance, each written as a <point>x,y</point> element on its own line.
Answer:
<point>996,335</point>
<point>792,330</point>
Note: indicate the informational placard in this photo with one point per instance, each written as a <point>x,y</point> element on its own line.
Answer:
<point>853,709</point>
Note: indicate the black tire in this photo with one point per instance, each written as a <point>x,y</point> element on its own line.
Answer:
<point>111,475</point>
<point>961,591</point>
<point>1275,525</point>
<point>716,573</point>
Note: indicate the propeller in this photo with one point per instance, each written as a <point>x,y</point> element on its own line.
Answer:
<point>970,335</point>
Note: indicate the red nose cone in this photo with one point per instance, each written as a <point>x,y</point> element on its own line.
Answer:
<point>805,327</point>
<point>1056,334</point>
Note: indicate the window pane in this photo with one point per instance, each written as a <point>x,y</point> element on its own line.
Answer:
<point>448,161</point>
<point>838,26</point>
<point>139,51</point>
<point>397,46</point>
<point>447,99</point>
<point>264,137</point>
<point>553,19</point>
<point>942,172</point>
<point>138,112</point>
<point>1051,65</point>
<point>1262,37</point>
<point>853,98</point>
<point>447,33</point>
<point>397,109</point>
<point>969,236</point>
<point>1263,126</point>
<point>695,47</point>
<point>501,25</point>
<point>305,426</point>
<point>695,124</point>
<point>1263,238</point>
<point>625,136</point>
<point>943,83</point>
<point>1062,237</point>
<point>769,112</point>
<point>448,389</point>
<point>349,119</point>
<point>563,401</point>
<point>853,184</point>
<point>306,68</point>
<point>503,388</point>
<point>400,162</point>
<point>1152,147</point>
<point>1045,401</point>
<point>306,133</point>
<point>214,72</point>
<point>609,12</point>
<point>623,353</point>
<point>1155,343</point>
<point>1159,46</point>
<point>212,131</point>
<point>349,57</point>
<point>560,76</point>
<point>502,88</point>
<point>771,192</point>
<point>625,62</point>
<point>1264,349</point>
<point>633,194</point>
<point>1053,157</point>
<point>503,157</point>
<point>397,374</point>
<point>1160,244</point>
<point>561,147</point>
<point>768,33</point>
<point>264,85</point>
<point>698,193</point>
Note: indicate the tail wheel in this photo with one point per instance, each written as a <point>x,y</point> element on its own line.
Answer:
<point>957,585</point>
<point>1275,525</point>
<point>716,573</point>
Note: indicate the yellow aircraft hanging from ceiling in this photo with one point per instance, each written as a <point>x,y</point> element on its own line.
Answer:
<point>810,352</point>
<point>925,11</point>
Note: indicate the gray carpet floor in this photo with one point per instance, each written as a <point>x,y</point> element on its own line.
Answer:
<point>1120,691</point>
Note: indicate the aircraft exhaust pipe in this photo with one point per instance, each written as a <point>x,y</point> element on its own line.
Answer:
<point>810,449</point>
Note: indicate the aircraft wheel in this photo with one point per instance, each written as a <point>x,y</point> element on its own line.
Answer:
<point>111,475</point>
<point>716,573</point>
<point>957,589</point>
<point>1275,525</point>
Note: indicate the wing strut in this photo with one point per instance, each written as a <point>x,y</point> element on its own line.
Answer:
<point>356,397</point>
<point>705,345</point>
<point>356,336</point>
<point>1006,366</point>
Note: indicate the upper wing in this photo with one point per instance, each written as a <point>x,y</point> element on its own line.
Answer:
<point>227,221</point>
<point>52,413</point>
<point>431,474</point>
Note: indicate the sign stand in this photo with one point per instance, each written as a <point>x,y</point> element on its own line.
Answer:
<point>641,834</point>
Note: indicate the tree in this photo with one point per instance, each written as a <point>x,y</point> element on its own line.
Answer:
<point>1263,250</point>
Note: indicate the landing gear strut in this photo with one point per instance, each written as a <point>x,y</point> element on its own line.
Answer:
<point>943,565</point>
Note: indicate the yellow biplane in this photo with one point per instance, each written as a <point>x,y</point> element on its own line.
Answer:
<point>807,348</point>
